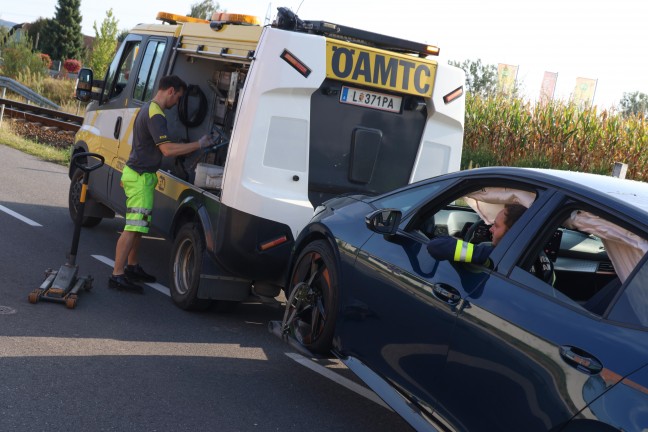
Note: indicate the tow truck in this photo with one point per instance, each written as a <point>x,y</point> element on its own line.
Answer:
<point>304,111</point>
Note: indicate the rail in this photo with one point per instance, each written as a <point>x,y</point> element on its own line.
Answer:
<point>44,116</point>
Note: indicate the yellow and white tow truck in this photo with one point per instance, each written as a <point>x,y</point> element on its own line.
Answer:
<point>305,110</point>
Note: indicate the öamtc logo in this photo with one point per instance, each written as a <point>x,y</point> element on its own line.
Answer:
<point>377,68</point>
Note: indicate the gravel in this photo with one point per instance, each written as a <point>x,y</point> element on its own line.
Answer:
<point>43,135</point>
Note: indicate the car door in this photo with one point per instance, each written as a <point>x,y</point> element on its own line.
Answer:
<point>103,129</point>
<point>524,356</point>
<point>400,313</point>
<point>407,299</point>
<point>139,80</point>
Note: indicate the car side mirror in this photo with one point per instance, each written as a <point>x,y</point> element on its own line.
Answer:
<point>84,85</point>
<point>384,221</point>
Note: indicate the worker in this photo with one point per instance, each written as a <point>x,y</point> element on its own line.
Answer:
<point>150,142</point>
<point>452,249</point>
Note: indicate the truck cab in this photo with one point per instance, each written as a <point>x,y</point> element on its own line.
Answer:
<point>304,111</point>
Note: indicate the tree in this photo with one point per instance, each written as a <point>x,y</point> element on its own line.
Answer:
<point>64,31</point>
<point>104,45</point>
<point>481,79</point>
<point>204,9</point>
<point>38,34</point>
<point>635,103</point>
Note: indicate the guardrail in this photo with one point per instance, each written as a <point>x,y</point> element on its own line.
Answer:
<point>26,92</point>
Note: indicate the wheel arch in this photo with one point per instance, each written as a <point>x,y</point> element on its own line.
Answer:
<point>310,234</point>
<point>587,425</point>
<point>191,209</point>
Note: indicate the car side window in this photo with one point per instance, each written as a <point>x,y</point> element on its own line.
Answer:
<point>591,256</point>
<point>149,70</point>
<point>632,305</point>
<point>119,71</point>
<point>469,215</point>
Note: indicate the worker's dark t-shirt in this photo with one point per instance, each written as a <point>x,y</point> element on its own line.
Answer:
<point>149,132</point>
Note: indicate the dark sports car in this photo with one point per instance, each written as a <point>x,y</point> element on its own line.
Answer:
<point>455,346</point>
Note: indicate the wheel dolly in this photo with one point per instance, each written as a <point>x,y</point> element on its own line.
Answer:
<point>63,286</point>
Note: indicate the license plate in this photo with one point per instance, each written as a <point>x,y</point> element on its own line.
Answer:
<point>370,99</point>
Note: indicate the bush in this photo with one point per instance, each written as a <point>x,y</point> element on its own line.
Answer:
<point>18,58</point>
<point>47,61</point>
<point>72,66</point>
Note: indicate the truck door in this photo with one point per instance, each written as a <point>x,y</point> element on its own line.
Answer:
<point>140,87</point>
<point>108,122</point>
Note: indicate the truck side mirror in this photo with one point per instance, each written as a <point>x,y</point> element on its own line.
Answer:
<point>384,221</point>
<point>84,85</point>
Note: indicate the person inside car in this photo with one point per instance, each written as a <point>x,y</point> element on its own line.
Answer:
<point>453,249</point>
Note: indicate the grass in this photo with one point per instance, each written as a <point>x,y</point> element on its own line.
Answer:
<point>43,151</point>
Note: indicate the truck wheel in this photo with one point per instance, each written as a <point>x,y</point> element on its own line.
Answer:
<point>186,262</point>
<point>73,201</point>
<point>311,308</point>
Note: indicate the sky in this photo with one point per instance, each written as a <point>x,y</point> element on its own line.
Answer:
<point>597,39</point>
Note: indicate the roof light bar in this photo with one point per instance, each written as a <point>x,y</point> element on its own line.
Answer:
<point>239,19</point>
<point>171,18</point>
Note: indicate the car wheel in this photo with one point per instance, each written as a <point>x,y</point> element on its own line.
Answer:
<point>74,196</point>
<point>186,263</point>
<point>311,308</point>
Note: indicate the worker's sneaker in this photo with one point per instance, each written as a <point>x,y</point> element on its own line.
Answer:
<point>122,282</point>
<point>136,272</point>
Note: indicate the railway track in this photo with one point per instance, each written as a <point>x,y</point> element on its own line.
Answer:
<point>46,118</point>
<point>43,125</point>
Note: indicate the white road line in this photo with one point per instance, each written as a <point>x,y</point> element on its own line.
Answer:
<point>19,216</point>
<point>156,286</point>
<point>337,378</point>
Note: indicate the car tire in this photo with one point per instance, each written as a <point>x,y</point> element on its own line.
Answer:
<point>74,195</point>
<point>186,263</point>
<point>313,298</point>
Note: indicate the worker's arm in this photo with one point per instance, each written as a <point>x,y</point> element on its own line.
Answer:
<point>178,149</point>
<point>451,249</point>
<point>157,124</point>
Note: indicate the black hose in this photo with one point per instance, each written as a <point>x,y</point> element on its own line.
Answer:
<point>197,116</point>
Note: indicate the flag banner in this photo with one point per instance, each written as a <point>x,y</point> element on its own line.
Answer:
<point>506,77</point>
<point>584,91</point>
<point>548,87</point>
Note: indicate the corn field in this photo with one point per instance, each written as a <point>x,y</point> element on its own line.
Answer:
<point>560,135</point>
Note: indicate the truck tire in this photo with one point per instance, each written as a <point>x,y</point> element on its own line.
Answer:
<point>73,201</point>
<point>186,262</point>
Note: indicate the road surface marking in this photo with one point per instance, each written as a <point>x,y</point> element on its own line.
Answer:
<point>28,346</point>
<point>19,216</point>
<point>337,378</point>
<point>156,286</point>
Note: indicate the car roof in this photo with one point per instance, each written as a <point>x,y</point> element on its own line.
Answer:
<point>631,192</point>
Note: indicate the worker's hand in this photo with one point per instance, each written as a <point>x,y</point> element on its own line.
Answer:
<point>206,141</point>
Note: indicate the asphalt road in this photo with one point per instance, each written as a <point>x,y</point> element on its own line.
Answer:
<point>126,362</point>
